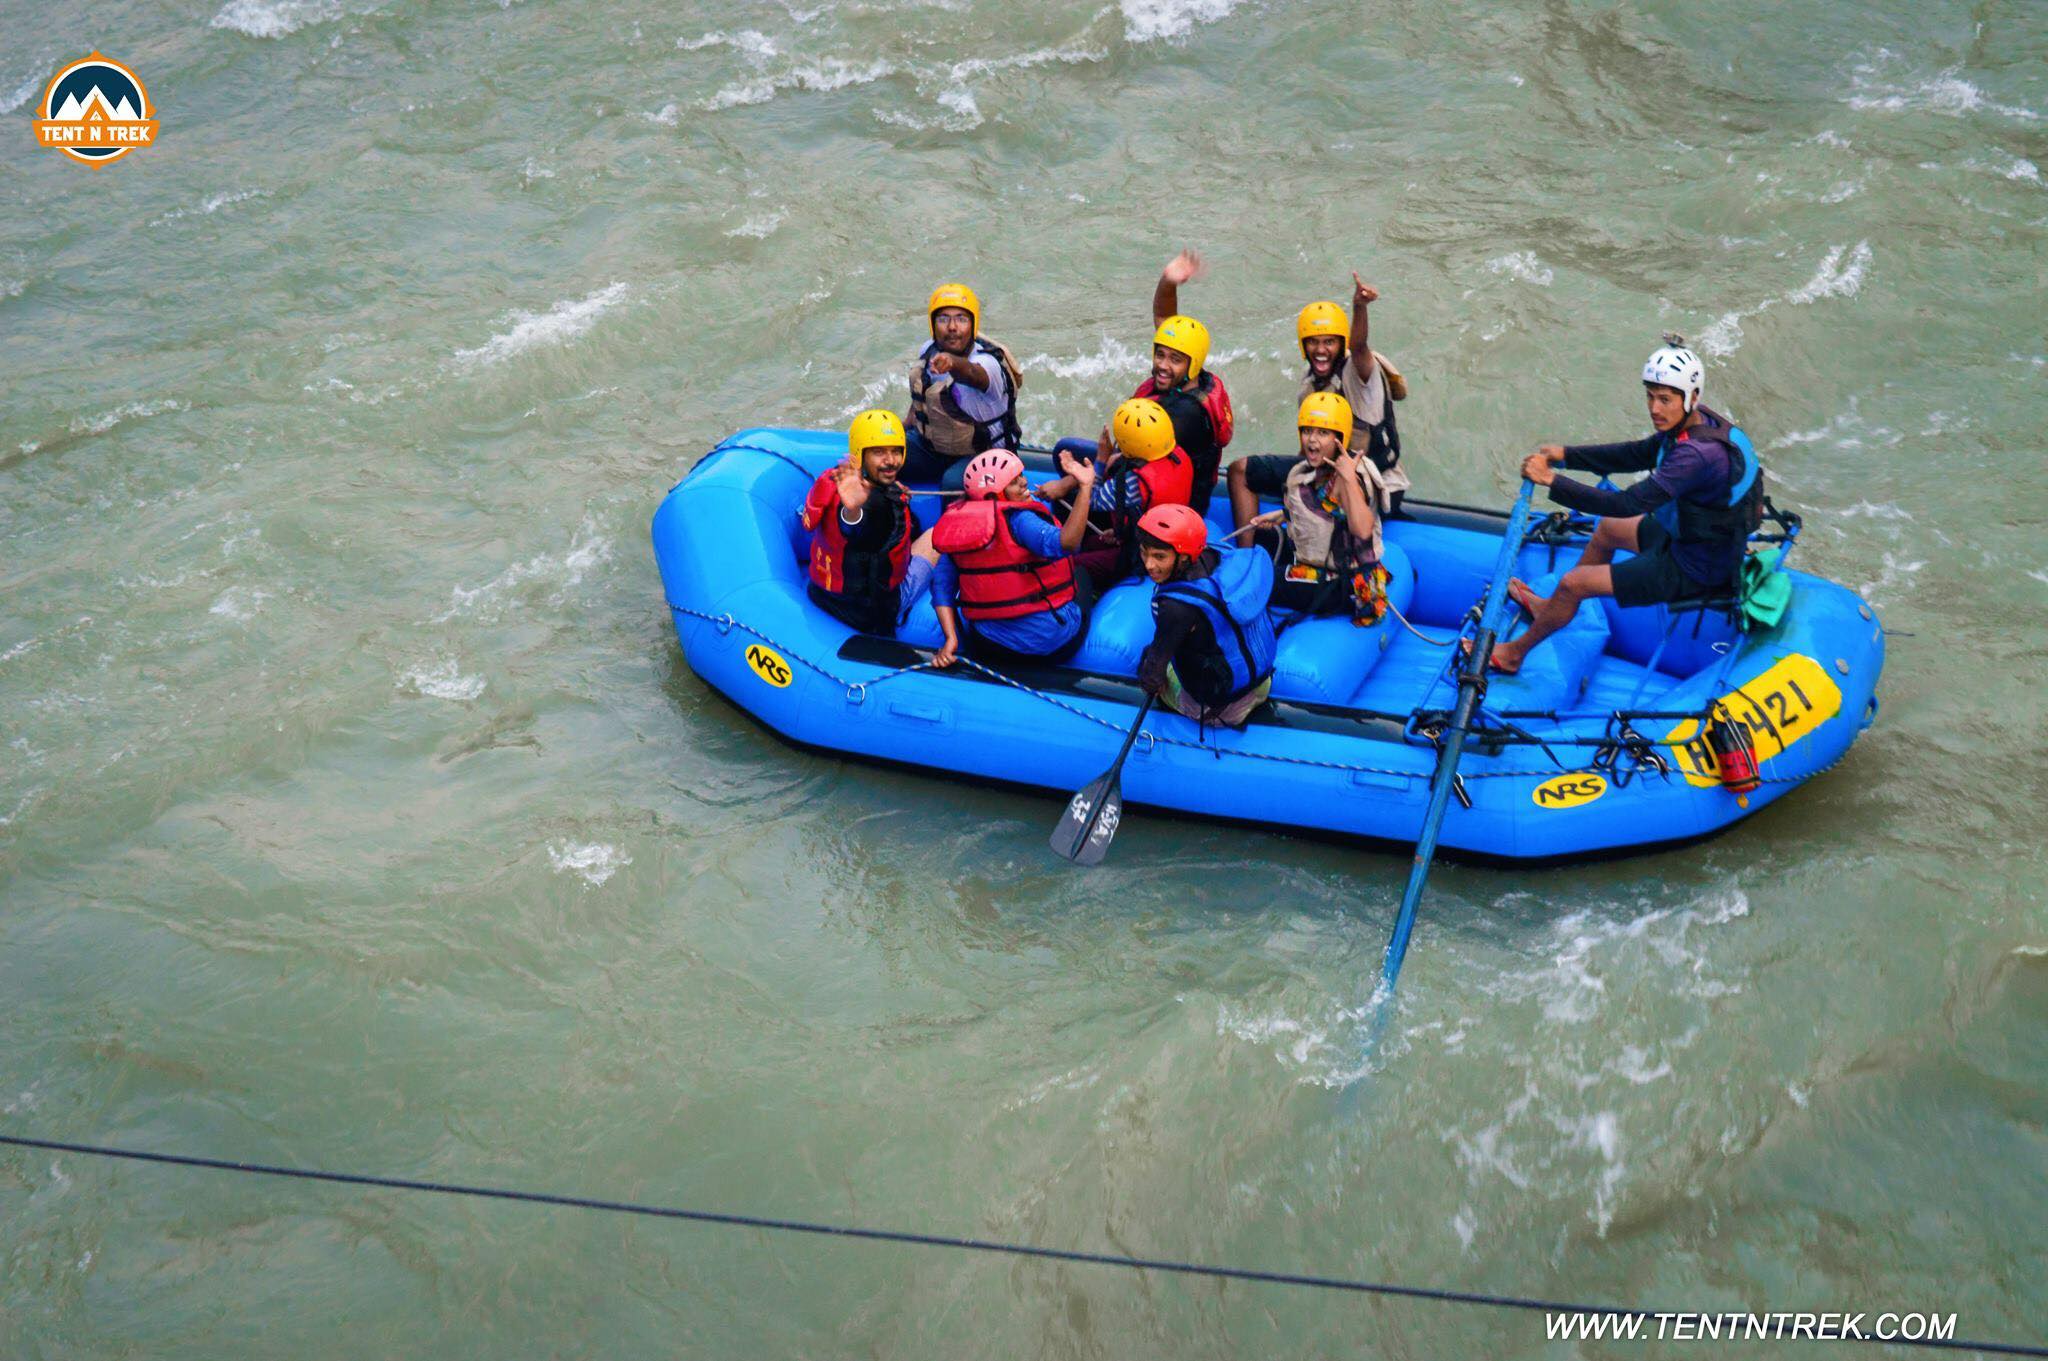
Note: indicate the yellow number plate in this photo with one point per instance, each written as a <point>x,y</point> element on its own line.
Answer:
<point>1781,706</point>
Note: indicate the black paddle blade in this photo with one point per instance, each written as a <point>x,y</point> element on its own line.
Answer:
<point>1084,834</point>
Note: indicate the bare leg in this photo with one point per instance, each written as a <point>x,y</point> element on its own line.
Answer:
<point>1244,502</point>
<point>923,548</point>
<point>1581,583</point>
<point>1609,535</point>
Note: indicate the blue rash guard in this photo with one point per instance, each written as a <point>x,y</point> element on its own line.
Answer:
<point>1692,469</point>
<point>1033,634</point>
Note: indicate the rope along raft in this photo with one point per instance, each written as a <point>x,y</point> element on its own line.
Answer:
<point>934,1240</point>
<point>858,690</point>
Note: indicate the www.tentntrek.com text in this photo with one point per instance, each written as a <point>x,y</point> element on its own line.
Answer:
<point>1695,1326</point>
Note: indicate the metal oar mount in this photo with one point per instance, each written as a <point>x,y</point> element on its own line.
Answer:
<point>1471,685</point>
<point>1092,815</point>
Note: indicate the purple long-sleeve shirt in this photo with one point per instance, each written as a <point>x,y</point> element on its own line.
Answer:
<point>1694,469</point>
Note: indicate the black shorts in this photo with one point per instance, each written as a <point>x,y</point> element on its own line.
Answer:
<point>1653,576</point>
<point>1266,474</point>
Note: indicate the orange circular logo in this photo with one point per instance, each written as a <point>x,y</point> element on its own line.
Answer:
<point>95,111</point>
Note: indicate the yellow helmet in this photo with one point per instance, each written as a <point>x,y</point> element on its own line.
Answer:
<point>1142,429</point>
<point>873,430</point>
<point>1321,319</point>
<point>955,295</point>
<point>1326,411</point>
<point>1188,336</point>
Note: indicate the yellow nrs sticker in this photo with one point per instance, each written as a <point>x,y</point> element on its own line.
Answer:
<point>767,663</point>
<point>1569,791</point>
<point>1781,706</point>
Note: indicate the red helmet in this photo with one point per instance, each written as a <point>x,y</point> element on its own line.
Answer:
<point>1177,527</point>
<point>988,473</point>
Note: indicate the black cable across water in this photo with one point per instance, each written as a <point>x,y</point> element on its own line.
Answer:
<point>927,1240</point>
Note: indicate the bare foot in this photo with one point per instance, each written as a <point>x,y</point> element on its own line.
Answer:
<point>1501,659</point>
<point>1528,600</point>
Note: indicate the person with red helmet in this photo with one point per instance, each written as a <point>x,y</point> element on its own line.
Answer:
<point>1212,650</point>
<point>1006,576</point>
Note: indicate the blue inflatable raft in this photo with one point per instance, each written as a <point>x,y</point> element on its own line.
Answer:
<point>1596,747</point>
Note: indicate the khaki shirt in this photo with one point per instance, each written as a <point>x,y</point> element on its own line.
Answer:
<point>1368,399</point>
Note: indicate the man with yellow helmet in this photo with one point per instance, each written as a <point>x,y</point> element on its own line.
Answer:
<point>1181,381</point>
<point>963,388</point>
<point>867,568</point>
<point>1143,467</point>
<point>1332,502</point>
<point>1340,361</point>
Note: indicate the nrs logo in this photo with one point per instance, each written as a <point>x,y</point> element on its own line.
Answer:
<point>767,663</point>
<point>1569,791</point>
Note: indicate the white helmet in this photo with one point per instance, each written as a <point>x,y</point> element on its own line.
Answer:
<point>1674,366</point>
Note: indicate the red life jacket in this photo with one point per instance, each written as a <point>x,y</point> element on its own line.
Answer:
<point>1167,481</point>
<point>999,577</point>
<point>1215,400</point>
<point>833,567</point>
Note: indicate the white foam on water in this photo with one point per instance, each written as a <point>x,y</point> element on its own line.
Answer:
<point>592,862</point>
<point>1070,55</point>
<point>1465,1224</point>
<point>443,680</point>
<point>1828,137</point>
<point>1843,191</point>
<point>960,100</point>
<point>11,288</point>
<point>1945,92</point>
<point>1599,1132</point>
<point>107,420</point>
<point>274,18</point>
<point>667,116</point>
<point>751,43</point>
<point>533,170</point>
<point>2024,169</point>
<point>586,550</point>
<point>239,603</point>
<point>822,77</point>
<point>1895,571</point>
<point>1112,356</point>
<point>2039,576</point>
<point>1149,20</point>
<point>1886,511</point>
<point>1835,278</point>
<point>1523,265</point>
<point>24,92</point>
<point>212,204</point>
<point>761,225</point>
<point>557,326</point>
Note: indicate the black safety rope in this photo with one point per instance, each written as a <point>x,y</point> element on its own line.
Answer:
<point>928,1240</point>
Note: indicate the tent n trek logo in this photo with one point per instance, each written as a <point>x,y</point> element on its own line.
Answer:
<point>95,111</point>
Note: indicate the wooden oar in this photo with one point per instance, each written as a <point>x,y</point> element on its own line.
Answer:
<point>1092,815</point>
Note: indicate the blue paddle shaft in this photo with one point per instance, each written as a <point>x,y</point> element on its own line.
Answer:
<point>1469,685</point>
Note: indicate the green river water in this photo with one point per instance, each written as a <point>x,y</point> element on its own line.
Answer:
<point>358,811</point>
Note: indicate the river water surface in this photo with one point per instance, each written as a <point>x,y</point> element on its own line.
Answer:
<point>357,810</point>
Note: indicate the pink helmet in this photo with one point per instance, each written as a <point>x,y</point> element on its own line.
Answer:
<point>989,472</point>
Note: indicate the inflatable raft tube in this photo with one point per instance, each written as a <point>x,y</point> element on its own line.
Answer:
<point>1595,749</point>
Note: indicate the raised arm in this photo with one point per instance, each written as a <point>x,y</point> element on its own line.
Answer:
<point>1166,293</point>
<point>1363,295</point>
